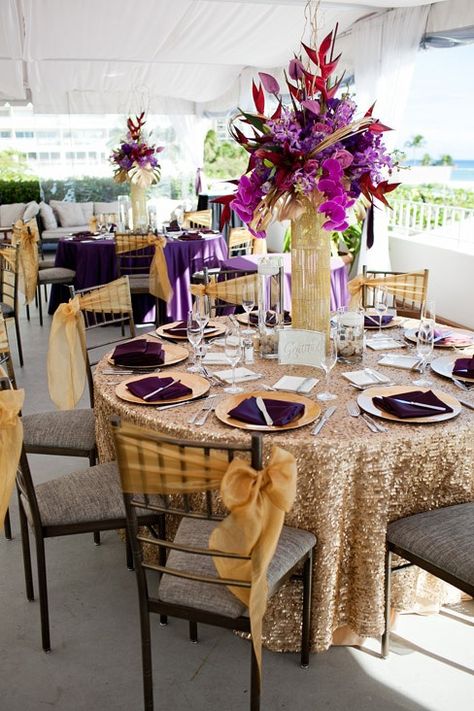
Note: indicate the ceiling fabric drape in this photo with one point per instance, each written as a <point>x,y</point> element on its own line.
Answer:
<point>383,73</point>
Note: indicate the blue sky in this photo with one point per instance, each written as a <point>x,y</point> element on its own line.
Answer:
<point>441,103</point>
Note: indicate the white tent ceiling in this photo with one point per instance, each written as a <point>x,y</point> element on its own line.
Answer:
<point>174,56</point>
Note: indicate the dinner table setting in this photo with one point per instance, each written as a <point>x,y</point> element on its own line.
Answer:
<point>367,437</point>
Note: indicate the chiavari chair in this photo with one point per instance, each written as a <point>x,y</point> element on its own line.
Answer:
<point>9,295</point>
<point>186,584</point>
<point>198,218</point>
<point>411,290</point>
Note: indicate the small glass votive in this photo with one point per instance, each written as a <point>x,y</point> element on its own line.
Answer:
<point>350,336</point>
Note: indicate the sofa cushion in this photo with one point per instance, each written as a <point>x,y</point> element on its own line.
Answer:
<point>11,213</point>
<point>87,210</point>
<point>106,208</point>
<point>58,232</point>
<point>31,211</point>
<point>47,216</point>
<point>69,214</point>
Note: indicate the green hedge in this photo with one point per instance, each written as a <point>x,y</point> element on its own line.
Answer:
<point>19,191</point>
<point>83,189</point>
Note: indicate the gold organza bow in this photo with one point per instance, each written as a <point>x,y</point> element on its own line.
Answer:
<point>11,439</point>
<point>26,236</point>
<point>408,286</point>
<point>159,280</point>
<point>4,345</point>
<point>67,357</point>
<point>230,290</point>
<point>257,501</point>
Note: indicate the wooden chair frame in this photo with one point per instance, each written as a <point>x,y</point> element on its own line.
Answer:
<point>149,604</point>
<point>9,290</point>
<point>410,308</point>
<point>198,218</point>
<point>240,241</point>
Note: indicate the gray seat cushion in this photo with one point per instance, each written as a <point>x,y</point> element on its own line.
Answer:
<point>54,234</point>
<point>7,311</point>
<point>91,495</point>
<point>443,537</point>
<point>46,263</point>
<point>293,544</point>
<point>56,275</point>
<point>68,429</point>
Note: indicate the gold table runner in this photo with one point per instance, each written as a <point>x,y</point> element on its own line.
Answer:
<point>351,483</point>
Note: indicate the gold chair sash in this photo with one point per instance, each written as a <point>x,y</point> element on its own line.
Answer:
<point>404,286</point>
<point>159,280</point>
<point>9,256</point>
<point>257,501</point>
<point>230,290</point>
<point>11,439</point>
<point>4,344</point>
<point>26,236</point>
<point>67,356</point>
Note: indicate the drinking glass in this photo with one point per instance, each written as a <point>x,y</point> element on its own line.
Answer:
<point>202,310</point>
<point>248,302</point>
<point>327,364</point>
<point>428,310</point>
<point>233,353</point>
<point>424,349</point>
<point>194,333</point>
<point>380,306</point>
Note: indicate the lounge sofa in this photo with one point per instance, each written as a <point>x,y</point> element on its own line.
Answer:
<point>60,218</point>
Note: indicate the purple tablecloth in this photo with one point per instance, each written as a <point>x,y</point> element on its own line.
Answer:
<point>95,263</point>
<point>339,291</point>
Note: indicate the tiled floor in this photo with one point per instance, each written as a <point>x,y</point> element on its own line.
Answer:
<point>95,661</point>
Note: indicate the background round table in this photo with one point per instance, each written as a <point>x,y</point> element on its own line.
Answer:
<point>95,263</point>
<point>351,484</point>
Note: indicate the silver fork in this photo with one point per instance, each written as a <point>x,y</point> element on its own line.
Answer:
<point>206,406</point>
<point>202,420</point>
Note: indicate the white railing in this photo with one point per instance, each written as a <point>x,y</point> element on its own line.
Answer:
<point>455,224</point>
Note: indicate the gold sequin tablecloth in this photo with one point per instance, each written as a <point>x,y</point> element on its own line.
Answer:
<point>351,483</point>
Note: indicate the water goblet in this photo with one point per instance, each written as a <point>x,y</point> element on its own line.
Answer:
<point>424,349</point>
<point>380,306</point>
<point>328,362</point>
<point>248,302</point>
<point>233,353</point>
<point>202,310</point>
<point>194,333</point>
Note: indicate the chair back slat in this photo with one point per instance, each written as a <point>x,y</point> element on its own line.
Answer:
<point>240,241</point>
<point>9,256</point>
<point>198,218</point>
<point>132,258</point>
<point>413,288</point>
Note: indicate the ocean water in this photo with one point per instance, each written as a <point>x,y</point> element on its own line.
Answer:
<point>463,170</point>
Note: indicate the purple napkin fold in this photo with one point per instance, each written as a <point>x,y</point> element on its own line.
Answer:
<point>190,237</point>
<point>270,318</point>
<point>145,386</point>
<point>464,367</point>
<point>181,329</point>
<point>173,226</point>
<point>405,411</point>
<point>373,320</point>
<point>80,236</point>
<point>281,411</point>
<point>141,352</point>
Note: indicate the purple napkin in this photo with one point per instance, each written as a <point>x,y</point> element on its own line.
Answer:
<point>179,329</point>
<point>190,237</point>
<point>173,226</point>
<point>406,411</point>
<point>270,318</point>
<point>141,352</point>
<point>281,411</point>
<point>79,236</point>
<point>145,386</point>
<point>374,320</point>
<point>464,367</point>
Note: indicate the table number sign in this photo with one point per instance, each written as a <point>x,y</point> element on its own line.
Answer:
<point>301,347</point>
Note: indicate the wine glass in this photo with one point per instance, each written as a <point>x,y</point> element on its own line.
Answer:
<point>194,333</point>
<point>424,349</point>
<point>380,306</point>
<point>233,353</point>
<point>202,310</point>
<point>248,302</point>
<point>428,310</point>
<point>328,362</point>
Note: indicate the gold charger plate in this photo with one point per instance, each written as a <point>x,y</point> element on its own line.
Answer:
<point>173,354</point>
<point>162,331</point>
<point>444,366</point>
<point>396,321</point>
<point>198,385</point>
<point>410,335</point>
<point>365,401</point>
<point>311,411</point>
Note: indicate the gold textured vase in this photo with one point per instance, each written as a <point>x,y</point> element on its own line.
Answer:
<point>310,271</point>
<point>139,209</point>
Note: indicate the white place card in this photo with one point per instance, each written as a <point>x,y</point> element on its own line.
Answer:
<point>215,359</point>
<point>384,344</point>
<point>301,347</point>
<point>362,377</point>
<point>295,384</point>
<point>393,360</point>
<point>242,375</point>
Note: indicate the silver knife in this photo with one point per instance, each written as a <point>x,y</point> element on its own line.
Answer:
<point>329,412</point>
<point>261,406</point>
<point>160,390</point>
<point>466,403</point>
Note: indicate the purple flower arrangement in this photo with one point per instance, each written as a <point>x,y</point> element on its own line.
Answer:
<point>135,160</point>
<point>314,150</point>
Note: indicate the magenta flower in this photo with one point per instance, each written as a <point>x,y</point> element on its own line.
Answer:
<point>296,69</point>
<point>270,84</point>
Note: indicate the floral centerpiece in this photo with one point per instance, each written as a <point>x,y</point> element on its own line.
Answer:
<point>136,162</point>
<point>309,162</point>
